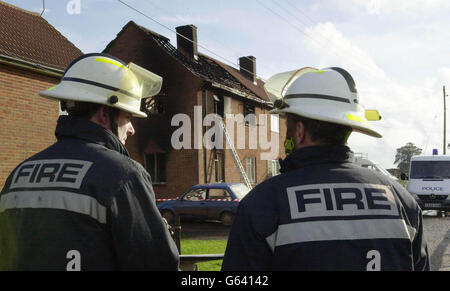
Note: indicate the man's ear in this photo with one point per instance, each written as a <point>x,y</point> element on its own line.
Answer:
<point>101,117</point>
<point>300,133</point>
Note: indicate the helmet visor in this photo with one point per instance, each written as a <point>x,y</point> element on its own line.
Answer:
<point>140,82</point>
<point>277,85</point>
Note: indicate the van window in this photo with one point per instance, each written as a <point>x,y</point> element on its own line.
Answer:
<point>430,169</point>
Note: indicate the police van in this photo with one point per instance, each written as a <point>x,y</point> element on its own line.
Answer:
<point>429,181</point>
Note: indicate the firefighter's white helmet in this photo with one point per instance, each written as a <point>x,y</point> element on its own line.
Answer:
<point>328,95</point>
<point>103,79</point>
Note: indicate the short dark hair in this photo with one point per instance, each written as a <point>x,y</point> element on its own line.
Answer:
<point>80,109</point>
<point>322,131</point>
<point>86,110</point>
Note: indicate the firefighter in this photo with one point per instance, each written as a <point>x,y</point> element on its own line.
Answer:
<point>83,203</point>
<point>323,212</point>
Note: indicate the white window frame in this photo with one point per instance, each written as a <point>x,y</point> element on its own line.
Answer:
<point>275,123</point>
<point>273,168</point>
<point>250,168</point>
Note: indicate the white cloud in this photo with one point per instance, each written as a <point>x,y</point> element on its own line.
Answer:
<point>330,44</point>
<point>412,112</point>
<point>379,7</point>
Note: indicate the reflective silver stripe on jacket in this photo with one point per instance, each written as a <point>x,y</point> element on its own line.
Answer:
<point>314,231</point>
<point>62,200</point>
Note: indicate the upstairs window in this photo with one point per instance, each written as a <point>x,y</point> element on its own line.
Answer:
<point>275,123</point>
<point>249,114</point>
<point>153,105</point>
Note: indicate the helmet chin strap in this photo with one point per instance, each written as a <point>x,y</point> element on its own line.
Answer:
<point>113,114</point>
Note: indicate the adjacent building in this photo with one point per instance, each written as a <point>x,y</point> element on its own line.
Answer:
<point>33,56</point>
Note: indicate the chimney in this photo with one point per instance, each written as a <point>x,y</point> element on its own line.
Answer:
<point>186,47</point>
<point>248,67</point>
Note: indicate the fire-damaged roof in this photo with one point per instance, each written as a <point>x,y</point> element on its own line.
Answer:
<point>209,69</point>
<point>26,36</point>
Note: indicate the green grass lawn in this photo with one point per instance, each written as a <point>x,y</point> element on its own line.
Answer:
<point>200,247</point>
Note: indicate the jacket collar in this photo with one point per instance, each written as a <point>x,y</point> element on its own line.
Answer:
<point>315,155</point>
<point>80,128</point>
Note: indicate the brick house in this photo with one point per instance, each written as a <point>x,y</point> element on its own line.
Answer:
<point>196,85</point>
<point>33,56</point>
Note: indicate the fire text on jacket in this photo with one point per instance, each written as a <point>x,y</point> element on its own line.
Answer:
<point>341,199</point>
<point>50,174</point>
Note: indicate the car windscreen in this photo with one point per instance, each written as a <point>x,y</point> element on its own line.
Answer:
<point>240,190</point>
<point>430,170</point>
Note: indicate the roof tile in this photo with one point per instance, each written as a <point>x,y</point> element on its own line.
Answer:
<point>28,36</point>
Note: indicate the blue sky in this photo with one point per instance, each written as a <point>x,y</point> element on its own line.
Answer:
<point>396,50</point>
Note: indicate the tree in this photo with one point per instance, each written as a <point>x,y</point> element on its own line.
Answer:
<point>403,156</point>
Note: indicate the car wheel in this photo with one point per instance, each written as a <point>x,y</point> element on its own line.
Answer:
<point>227,218</point>
<point>169,216</point>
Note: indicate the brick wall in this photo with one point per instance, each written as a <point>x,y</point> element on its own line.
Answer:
<point>231,171</point>
<point>27,120</point>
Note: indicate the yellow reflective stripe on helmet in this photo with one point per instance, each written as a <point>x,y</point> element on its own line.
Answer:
<point>318,71</point>
<point>51,88</point>
<point>109,61</point>
<point>356,118</point>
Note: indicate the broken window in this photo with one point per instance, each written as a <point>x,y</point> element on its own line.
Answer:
<point>153,105</point>
<point>218,105</point>
<point>249,114</point>
<point>156,166</point>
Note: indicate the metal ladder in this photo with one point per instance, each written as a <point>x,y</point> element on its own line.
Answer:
<point>237,161</point>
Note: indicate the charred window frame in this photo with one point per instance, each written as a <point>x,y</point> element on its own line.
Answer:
<point>153,105</point>
<point>155,164</point>
<point>219,107</point>
<point>220,165</point>
<point>249,114</point>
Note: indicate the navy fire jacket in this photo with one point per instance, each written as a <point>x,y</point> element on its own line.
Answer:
<point>325,213</point>
<point>82,204</point>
